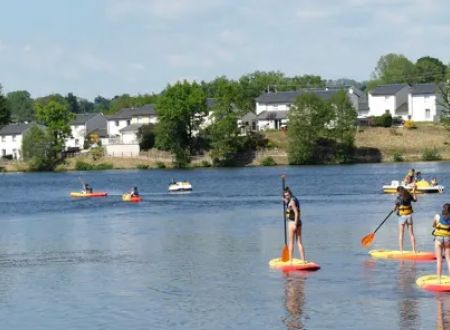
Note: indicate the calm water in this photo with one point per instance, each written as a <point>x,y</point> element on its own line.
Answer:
<point>199,260</point>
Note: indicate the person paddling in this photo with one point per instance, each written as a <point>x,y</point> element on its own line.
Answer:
<point>294,223</point>
<point>87,189</point>
<point>404,211</point>
<point>441,233</point>
<point>134,192</point>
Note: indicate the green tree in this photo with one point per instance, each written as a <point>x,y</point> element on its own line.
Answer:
<point>56,116</point>
<point>308,119</point>
<point>85,106</point>
<point>21,105</point>
<point>180,109</point>
<point>391,69</point>
<point>5,112</point>
<point>72,102</point>
<point>429,69</point>
<point>344,128</point>
<point>38,150</point>
<point>146,136</point>
<point>101,104</point>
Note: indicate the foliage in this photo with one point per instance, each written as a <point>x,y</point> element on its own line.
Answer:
<point>146,136</point>
<point>430,154</point>
<point>384,120</point>
<point>394,69</point>
<point>97,153</point>
<point>38,150</point>
<point>307,121</point>
<point>268,161</point>
<point>397,157</point>
<point>429,69</point>
<point>160,165</point>
<point>5,112</point>
<point>21,105</point>
<point>142,166</point>
<point>180,110</point>
<point>205,163</point>
<point>72,102</point>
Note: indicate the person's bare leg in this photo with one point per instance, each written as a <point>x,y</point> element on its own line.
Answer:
<point>447,256</point>
<point>291,238</point>
<point>400,236</point>
<point>301,250</point>
<point>412,237</point>
<point>438,254</point>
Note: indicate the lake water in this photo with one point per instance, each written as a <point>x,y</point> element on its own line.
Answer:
<point>199,260</point>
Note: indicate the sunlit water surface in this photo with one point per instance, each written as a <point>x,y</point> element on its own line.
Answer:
<point>199,260</point>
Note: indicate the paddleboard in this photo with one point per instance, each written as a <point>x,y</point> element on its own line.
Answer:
<point>406,255</point>
<point>431,283</point>
<point>92,194</point>
<point>296,264</point>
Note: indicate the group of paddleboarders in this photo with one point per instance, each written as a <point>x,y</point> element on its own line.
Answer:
<point>87,189</point>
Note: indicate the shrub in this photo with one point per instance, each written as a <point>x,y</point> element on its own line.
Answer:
<point>431,154</point>
<point>205,163</point>
<point>142,166</point>
<point>160,165</point>
<point>2,169</point>
<point>382,121</point>
<point>397,157</point>
<point>268,161</point>
<point>104,166</point>
<point>83,166</point>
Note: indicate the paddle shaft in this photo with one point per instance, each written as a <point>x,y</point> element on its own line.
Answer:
<point>283,185</point>
<point>387,217</point>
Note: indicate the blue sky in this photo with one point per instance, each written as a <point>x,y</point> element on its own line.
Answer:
<point>111,47</point>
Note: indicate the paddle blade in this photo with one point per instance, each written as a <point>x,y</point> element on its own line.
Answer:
<point>285,254</point>
<point>368,239</point>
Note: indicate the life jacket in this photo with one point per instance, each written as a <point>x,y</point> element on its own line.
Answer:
<point>404,206</point>
<point>289,212</point>
<point>442,229</point>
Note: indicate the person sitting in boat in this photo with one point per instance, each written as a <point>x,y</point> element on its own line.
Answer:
<point>134,192</point>
<point>87,189</point>
<point>404,211</point>
<point>418,176</point>
<point>434,182</point>
<point>441,233</point>
<point>410,177</point>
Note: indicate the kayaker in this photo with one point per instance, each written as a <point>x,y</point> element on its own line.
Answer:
<point>134,192</point>
<point>441,235</point>
<point>294,223</point>
<point>87,189</point>
<point>418,177</point>
<point>434,182</point>
<point>404,211</point>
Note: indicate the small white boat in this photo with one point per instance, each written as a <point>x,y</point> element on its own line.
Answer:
<point>180,186</point>
<point>421,187</point>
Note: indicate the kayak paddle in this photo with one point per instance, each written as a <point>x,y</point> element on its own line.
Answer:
<point>368,239</point>
<point>285,252</point>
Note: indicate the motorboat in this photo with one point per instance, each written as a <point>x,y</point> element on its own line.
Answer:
<point>420,187</point>
<point>180,186</point>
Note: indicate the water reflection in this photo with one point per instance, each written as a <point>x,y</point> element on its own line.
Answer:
<point>443,312</point>
<point>408,304</point>
<point>294,293</point>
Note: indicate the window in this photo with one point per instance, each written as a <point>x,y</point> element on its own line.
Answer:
<point>128,122</point>
<point>14,138</point>
<point>427,113</point>
<point>117,123</point>
<point>77,141</point>
<point>3,152</point>
<point>3,138</point>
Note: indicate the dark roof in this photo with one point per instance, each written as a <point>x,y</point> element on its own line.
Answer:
<point>249,116</point>
<point>387,89</point>
<point>82,118</point>
<point>290,96</point>
<point>272,115</point>
<point>429,88</point>
<point>131,128</point>
<point>127,113</point>
<point>16,129</point>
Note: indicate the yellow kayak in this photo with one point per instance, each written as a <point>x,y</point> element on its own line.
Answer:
<point>129,198</point>
<point>92,194</point>
<point>296,264</point>
<point>431,283</point>
<point>406,255</point>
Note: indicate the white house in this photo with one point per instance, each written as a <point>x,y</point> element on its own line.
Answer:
<point>11,139</point>
<point>389,98</point>
<point>82,126</point>
<point>122,129</point>
<point>425,103</point>
<point>272,108</point>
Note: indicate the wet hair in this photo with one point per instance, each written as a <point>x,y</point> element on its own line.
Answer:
<point>288,190</point>
<point>403,192</point>
<point>446,207</point>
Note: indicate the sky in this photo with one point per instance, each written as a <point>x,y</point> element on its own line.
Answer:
<point>112,47</point>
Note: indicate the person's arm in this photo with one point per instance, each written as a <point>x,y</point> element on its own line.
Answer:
<point>436,220</point>
<point>296,212</point>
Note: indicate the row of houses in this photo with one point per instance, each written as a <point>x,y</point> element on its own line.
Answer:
<point>118,133</point>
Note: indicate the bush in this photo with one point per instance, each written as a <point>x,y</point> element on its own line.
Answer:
<point>160,165</point>
<point>431,154</point>
<point>142,166</point>
<point>382,121</point>
<point>205,163</point>
<point>397,157</point>
<point>268,161</point>
<point>104,166</point>
<point>83,166</point>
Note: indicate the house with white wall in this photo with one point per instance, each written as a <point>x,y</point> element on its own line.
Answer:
<point>82,126</point>
<point>122,129</point>
<point>391,98</point>
<point>425,102</point>
<point>11,137</point>
<point>272,108</point>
